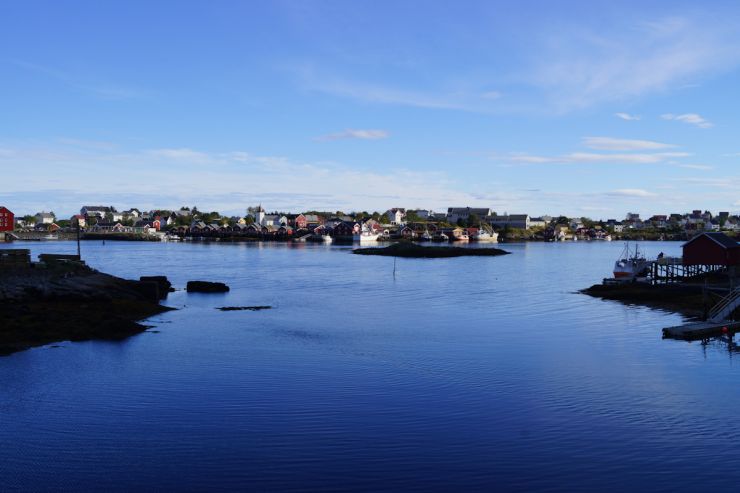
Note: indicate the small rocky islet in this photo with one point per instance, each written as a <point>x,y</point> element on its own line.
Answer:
<point>412,250</point>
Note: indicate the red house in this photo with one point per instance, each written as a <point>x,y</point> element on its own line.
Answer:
<point>299,222</point>
<point>7,220</point>
<point>711,249</point>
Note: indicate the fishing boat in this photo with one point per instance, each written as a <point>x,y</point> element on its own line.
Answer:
<point>365,235</point>
<point>439,236</point>
<point>631,264</point>
<point>425,236</point>
<point>484,236</point>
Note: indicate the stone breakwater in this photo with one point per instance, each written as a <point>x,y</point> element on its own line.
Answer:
<point>43,303</point>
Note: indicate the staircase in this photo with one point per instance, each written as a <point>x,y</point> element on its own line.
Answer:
<point>725,307</point>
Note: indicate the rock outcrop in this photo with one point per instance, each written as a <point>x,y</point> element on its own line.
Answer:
<point>44,303</point>
<point>206,287</point>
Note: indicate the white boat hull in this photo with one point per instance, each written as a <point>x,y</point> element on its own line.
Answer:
<point>365,238</point>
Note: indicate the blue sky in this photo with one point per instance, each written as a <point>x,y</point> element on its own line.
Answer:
<point>579,108</point>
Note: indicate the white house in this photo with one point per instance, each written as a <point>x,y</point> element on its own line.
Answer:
<point>272,220</point>
<point>395,216</point>
<point>44,218</point>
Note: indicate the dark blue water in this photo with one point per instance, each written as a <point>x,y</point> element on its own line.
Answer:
<point>457,374</point>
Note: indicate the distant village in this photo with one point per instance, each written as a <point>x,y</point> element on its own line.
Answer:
<point>456,223</point>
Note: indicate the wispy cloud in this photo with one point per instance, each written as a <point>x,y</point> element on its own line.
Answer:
<point>627,116</point>
<point>580,67</point>
<point>355,134</point>
<point>594,158</point>
<point>439,97</point>
<point>225,180</point>
<point>492,95</point>
<point>631,192</point>
<point>102,90</point>
<point>702,167</point>
<point>613,144</point>
<point>690,118</point>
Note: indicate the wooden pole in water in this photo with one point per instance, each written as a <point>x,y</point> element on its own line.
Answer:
<point>78,240</point>
<point>394,267</point>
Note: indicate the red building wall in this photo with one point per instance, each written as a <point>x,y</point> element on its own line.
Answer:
<point>705,251</point>
<point>7,220</point>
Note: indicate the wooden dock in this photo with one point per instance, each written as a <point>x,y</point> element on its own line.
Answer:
<point>700,330</point>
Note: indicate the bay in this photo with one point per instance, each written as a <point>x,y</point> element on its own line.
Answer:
<point>464,373</point>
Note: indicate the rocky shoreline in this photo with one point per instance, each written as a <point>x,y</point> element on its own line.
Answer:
<point>687,299</point>
<point>44,303</point>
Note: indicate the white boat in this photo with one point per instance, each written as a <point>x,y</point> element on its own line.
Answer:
<point>484,236</point>
<point>631,264</point>
<point>365,236</point>
<point>440,237</point>
<point>425,236</point>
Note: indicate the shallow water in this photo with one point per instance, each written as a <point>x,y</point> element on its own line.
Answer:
<point>463,373</point>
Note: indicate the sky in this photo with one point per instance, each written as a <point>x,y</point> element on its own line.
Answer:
<point>579,108</point>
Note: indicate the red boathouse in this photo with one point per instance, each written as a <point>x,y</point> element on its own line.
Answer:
<point>711,249</point>
<point>7,219</point>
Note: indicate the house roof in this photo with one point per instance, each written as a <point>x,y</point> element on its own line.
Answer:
<point>720,238</point>
<point>478,211</point>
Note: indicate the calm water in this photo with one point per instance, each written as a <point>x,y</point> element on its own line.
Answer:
<point>468,373</point>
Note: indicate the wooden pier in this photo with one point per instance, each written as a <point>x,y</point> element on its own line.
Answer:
<point>668,270</point>
<point>700,330</point>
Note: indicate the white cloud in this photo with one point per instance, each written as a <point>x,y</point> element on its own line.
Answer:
<point>182,154</point>
<point>696,166</point>
<point>627,116</point>
<point>592,157</point>
<point>631,192</point>
<point>225,181</point>
<point>691,118</point>
<point>356,134</point>
<point>612,144</point>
